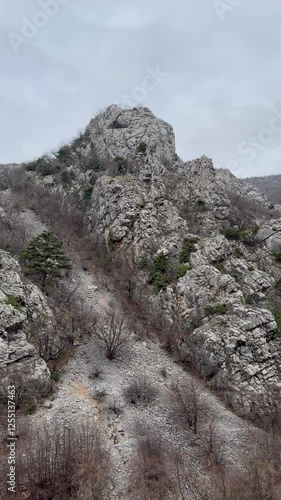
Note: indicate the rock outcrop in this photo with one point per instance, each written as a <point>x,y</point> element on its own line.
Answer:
<point>143,199</point>
<point>21,304</point>
<point>224,295</point>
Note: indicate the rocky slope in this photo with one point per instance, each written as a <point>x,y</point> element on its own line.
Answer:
<point>21,304</point>
<point>145,201</point>
<point>150,203</point>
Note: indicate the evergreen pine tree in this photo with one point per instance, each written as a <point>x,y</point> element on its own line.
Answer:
<point>45,257</point>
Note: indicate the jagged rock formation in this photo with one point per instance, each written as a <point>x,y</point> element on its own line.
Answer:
<point>21,304</point>
<point>143,199</point>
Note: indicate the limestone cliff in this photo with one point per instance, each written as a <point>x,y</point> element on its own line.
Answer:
<point>144,200</point>
<point>21,304</point>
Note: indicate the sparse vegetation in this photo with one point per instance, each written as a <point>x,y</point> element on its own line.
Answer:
<point>211,310</point>
<point>187,405</point>
<point>140,391</point>
<point>122,163</point>
<point>67,176</point>
<point>277,316</point>
<point>142,148</point>
<point>277,256</point>
<point>96,373</point>
<point>31,409</point>
<point>249,300</point>
<point>95,164</point>
<point>219,266</point>
<point>246,234</point>
<point>143,263</point>
<point>112,333</point>
<point>61,463</point>
<point>32,166</point>
<point>117,125</point>
<point>237,252</point>
<point>181,270</point>
<point>111,242</point>
<point>278,285</point>
<point>223,322</point>
<point>151,476</point>
<point>87,194</point>
<point>43,166</point>
<point>201,204</point>
<point>15,302</point>
<point>158,276</point>
<point>188,247</point>
<point>55,375</point>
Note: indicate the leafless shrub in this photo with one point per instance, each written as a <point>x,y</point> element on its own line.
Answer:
<point>115,407</point>
<point>150,477</point>
<point>189,484</point>
<point>25,389</point>
<point>187,403</point>
<point>96,373</point>
<point>211,447</point>
<point>260,481</point>
<point>140,391</point>
<point>13,178</point>
<point>71,320</point>
<point>125,275</point>
<point>242,211</point>
<point>13,233</point>
<point>100,394</point>
<point>112,333</point>
<point>172,334</point>
<point>264,410</point>
<point>63,463</point>
<point>164,372</point>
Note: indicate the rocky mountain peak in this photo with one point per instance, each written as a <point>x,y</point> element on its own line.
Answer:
<point>127,133</point>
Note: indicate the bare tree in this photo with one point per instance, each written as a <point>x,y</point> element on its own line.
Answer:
<point>265,409</point>
<point>244,210</point>
<point>26,389</point>
<point>187,485</point>
<point>71,320</point>
<point>112,333</point>
<point>187,403</point>
<point>211,447</point>
<point>63,463</point>
<point>150,476</point>
<point>125,274</point>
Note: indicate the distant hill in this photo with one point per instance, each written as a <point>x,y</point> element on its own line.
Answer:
<point>270,185</point>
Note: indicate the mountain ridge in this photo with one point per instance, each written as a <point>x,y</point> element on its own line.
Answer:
<point>186,259</point>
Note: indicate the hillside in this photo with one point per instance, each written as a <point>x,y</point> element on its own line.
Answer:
<point>269,185</point>
<point>155,360</point>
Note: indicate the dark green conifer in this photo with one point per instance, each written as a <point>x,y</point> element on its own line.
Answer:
<point>45,257</point>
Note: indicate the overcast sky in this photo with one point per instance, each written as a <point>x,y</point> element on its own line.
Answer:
<point>211,68</point>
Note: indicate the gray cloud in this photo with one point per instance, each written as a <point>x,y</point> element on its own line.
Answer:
<point>221,88</point>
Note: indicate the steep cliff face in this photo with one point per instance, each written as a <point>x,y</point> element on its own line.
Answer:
<point>144,200</point>
<point>21,305</point>
<point>155,194</point>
